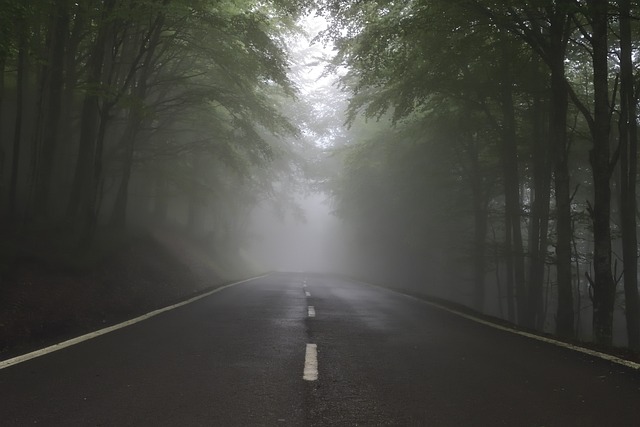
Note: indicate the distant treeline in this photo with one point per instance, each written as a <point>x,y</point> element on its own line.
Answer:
<point>514,147</point>
<point>121,111</point>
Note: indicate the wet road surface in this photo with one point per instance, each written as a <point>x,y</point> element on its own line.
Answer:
<point>371,357</point>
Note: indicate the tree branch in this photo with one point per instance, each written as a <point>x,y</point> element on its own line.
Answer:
<point>580,105</point>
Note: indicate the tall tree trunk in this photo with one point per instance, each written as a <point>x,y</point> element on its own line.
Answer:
<point>510,283</point>
<point>86,149</point>
<point>565,313</point>
<point>42,67</point>
<point>558,140</point>
<point>53,107</point>
<point>68,108</point>
<point>119,214</point>
<point>136,119</point>
<point>91,198</point>
<point>603,282</point>
<point>17,132</point>
<point>539,222</point>
<point>628,172</point>
<point>511,180</point>
<point>480,232</point>
<point>84,173</point>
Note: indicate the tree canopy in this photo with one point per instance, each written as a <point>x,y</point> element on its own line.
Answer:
<point>531,96</point>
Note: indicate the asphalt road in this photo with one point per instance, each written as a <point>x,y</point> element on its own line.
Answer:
<point>237,357</point>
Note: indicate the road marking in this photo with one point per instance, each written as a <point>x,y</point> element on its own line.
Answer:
<point>557,343</point>
<point>312,311</point>
<point>552,341</point>
<point>311,363</point>
<point>307,293</point>
<point>77,340</point>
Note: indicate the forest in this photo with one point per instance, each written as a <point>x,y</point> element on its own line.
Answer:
<point>510,166</point>
<point>479,151</point>
<point>119,118</point>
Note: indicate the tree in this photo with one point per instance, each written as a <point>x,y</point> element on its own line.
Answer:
<point>628,175</point>
<point>397,63</point>
<point>124,88</point>
<point>54,75</point>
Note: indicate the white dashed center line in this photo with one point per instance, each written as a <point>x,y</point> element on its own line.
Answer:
<point>312,311</point>
<point>307,293</point>
<point>311,363</point>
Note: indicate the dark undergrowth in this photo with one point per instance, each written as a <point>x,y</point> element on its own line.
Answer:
<point>51,291</point>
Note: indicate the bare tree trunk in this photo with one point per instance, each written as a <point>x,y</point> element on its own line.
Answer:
<point>136,119</point>
<point>480,233</point>
<point>628,172</point>
<point>53,107</point>
<point>92,195</point>
<point>496,259</point>
<point>511,181</point>
<point>558,141</point>
<point>538,238</point>
<point>41,66</point>
<point>511,307</point>
<point>578,295</point>
<point>88,129</point>
<point>119,214</point>
<point>603,282</point>
<point>68,108</point>
<point>84,173</point>
<point>565,314</point>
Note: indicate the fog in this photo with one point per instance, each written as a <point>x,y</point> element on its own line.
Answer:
<point>429,150</point>
<point>308,241</point>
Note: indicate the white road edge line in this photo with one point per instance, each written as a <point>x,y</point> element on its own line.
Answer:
<point>73,341</point>
<point>311,363</point>
<point>307,293</point>
<point>594,353</point>
<point>312,311</point>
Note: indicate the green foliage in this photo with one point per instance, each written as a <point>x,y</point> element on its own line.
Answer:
<point>173,81</point>
<point>489,81</point>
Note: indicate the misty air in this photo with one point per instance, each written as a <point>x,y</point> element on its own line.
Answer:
<point>323,213</point>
